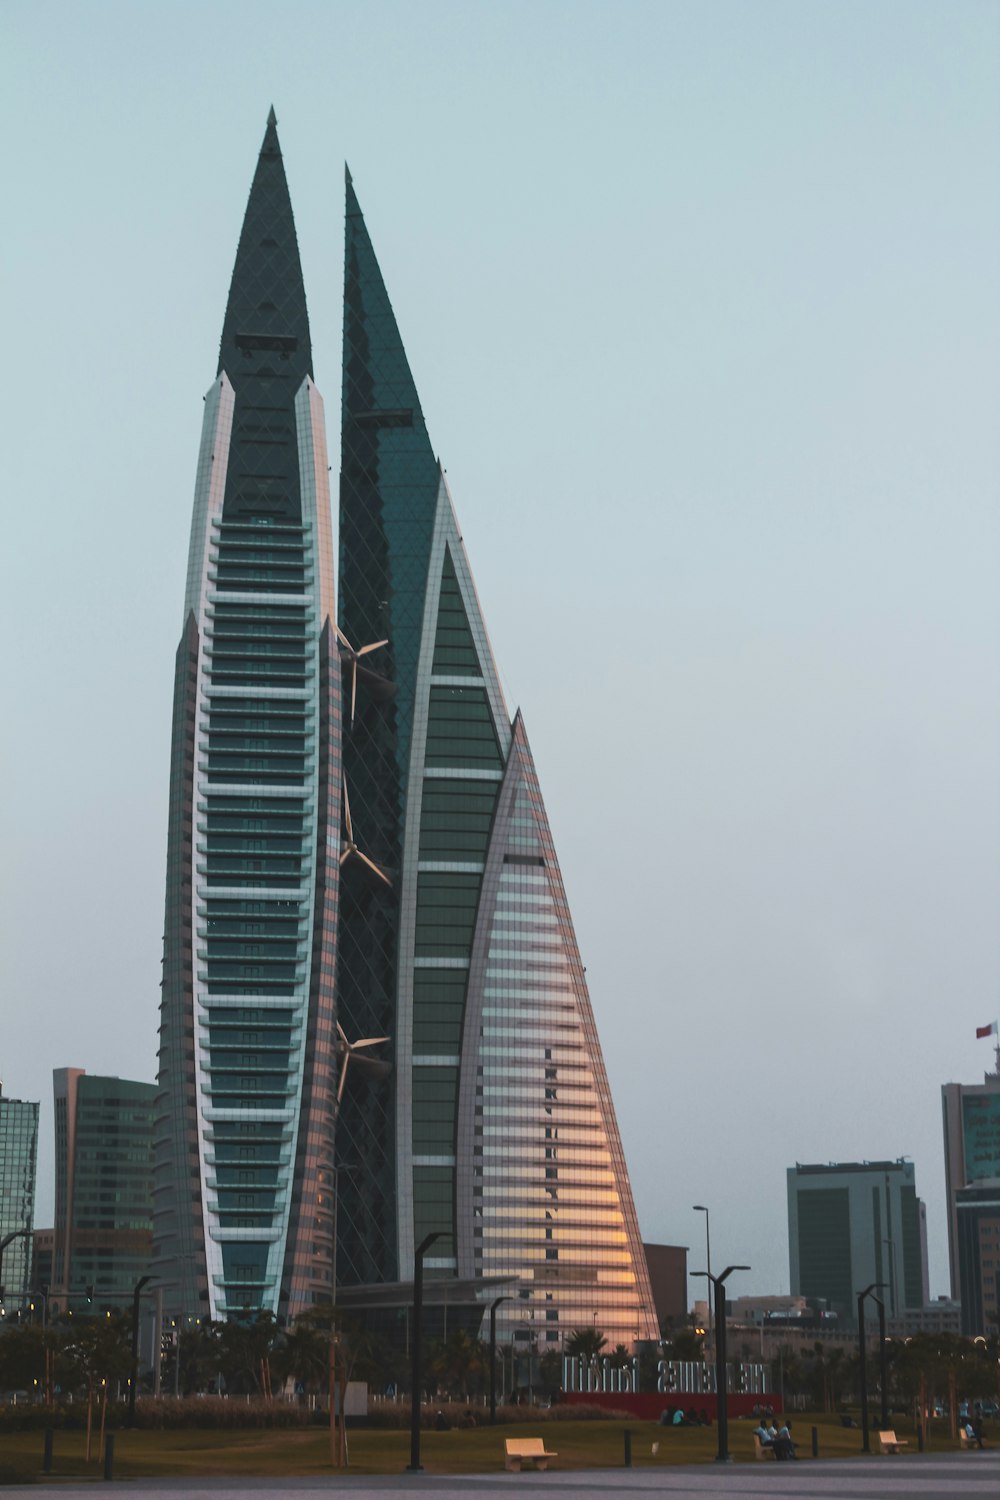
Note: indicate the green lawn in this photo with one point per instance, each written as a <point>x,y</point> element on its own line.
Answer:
<point>580,1445</point>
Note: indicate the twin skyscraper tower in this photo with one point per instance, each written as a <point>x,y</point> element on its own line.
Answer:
<point>375,1025</point>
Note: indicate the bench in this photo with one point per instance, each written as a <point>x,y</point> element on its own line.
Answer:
<point>888,1442</point>
<point>965,1440</point>
<point>532,1450</point>
<point>761,1449</point>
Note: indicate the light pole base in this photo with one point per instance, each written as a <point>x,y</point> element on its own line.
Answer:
<point>723,1458</point>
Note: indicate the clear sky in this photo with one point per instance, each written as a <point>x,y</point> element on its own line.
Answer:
<point>702,302</point>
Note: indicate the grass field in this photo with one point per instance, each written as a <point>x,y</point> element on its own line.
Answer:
<point>580,1445</point>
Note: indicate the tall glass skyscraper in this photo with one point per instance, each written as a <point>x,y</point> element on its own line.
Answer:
<point>495,1129</point>
<point>18,1162</point>
<point>371,760</point>
<point>244,1134</point>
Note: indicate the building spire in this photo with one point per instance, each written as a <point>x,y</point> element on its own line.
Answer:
<point>266,314</point>
<point>377,376</point>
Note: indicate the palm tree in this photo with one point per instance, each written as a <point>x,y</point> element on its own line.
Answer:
<point>304,1355</point>
<point>585,1343</point>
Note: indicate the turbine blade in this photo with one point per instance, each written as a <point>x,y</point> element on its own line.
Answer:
<point>345,855</point>
<point>342,1034</point>
<point>354,687</point>
<point>342,638</point>
<point>373,647</point>
<point>373,866</point>
<point>370,1041</point>
<point>343,1077</point>
<point>347,814</point>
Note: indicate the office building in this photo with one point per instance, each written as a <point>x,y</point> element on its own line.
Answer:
<point>667,1267</point>
<point>495,1130</point>
<point>244,1129</point>
<point>851,1224</point>
<point>18,1162</point>
<point>43,1249</point>
<point>971,1121</point>
<point>368,761</point>
<point>103,1201</point>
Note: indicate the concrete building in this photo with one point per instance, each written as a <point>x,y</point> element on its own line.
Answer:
<point>854,1223</point>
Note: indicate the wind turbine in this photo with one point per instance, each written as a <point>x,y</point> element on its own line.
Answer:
<point>348,1052</point>
<point>349,847</point>
<point>354,657</point>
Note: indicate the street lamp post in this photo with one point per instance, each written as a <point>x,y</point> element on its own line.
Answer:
<point>883,1362</point>
<point>718,1284</point>
<point>876,1286</point>
<point>415,1466</point>
<point>136,1294</point>
<point>700,1208</point>
<point>493,1357</point>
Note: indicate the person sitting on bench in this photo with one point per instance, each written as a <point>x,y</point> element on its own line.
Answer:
<point>784,1448</point>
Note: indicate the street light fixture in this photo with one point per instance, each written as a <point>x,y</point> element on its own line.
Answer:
<point>493,1357</point>
<point>876,1286</point>
<point>700,1208</point>
<point>721,1381</point>
<point>134,1381</point>
<point>415,1466</point>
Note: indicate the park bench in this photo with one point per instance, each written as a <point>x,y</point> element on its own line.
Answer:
<point>965,1440</point>
<point>888,1442</point>
<point>761,1449</point>
<point>532,1450</point>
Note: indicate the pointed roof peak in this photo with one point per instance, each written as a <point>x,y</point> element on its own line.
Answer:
<point>266,312</point>
<point>348,179</point>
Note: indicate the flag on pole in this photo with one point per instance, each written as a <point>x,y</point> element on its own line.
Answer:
<point>990,1030</point>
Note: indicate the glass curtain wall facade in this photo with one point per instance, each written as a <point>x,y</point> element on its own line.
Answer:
<point>495,1129</point>
<point>104,1188</point>
<point>851,1224</point>
<point>18,1163</point>
<point>244,1129</point>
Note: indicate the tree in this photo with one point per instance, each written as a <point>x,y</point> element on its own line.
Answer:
<point>585,1343</point>
<point>92,1350</point>
<point>303,1355</point>
<point>460,1364</point>
<point>687,1343</point>
<point>244,1351</point>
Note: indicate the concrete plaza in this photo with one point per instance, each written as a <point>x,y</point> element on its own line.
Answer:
<point>915,1477</point>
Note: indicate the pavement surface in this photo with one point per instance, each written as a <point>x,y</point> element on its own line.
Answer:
<point>914,1476</point>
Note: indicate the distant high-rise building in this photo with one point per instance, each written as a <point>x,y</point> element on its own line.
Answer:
<point>971,1117</point>
<point>18,1161</point>
<point>667,1266</point>
<point>854,1223</point>
<point>104,1187</point>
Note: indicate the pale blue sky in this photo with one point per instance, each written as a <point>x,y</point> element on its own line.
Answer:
<point>702,303</point>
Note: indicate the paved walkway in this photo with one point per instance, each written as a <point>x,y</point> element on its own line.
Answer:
<point>913,1477</point>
